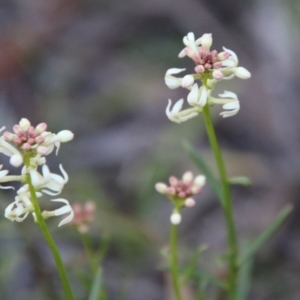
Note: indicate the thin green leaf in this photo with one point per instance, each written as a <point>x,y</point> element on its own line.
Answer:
<point>244,281</point>
<point>255,246</point>
<point>241,180</point>
<point>201,164</point>
<point>192,264</point>
<point>97,286</point>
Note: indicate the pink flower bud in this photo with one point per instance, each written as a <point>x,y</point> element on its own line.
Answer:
<point>190,202</point>
<point>217,74</point>
<point>41,127</point>
<point>8,136</point>
<point>199,69</point>
<point>207,66</point>
<point>42,150</point>
<point>17,141</point>
<point>39,139</point>
<point>17,129</point>
<point>223,55</point>
<point>26,146</point>
<point>173,180</point>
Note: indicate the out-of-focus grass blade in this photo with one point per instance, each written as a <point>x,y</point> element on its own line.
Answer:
<point>97,286</point>
<point>255,245</point>
<point>192,264</point>
<point>244,281</point>
<point>201,164</point>
<point>241,180</point>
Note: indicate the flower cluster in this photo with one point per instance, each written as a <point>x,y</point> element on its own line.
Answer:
<point>27,147</point>
<point>211,67</point>
<point>84,215</point>
<point>181,192</point>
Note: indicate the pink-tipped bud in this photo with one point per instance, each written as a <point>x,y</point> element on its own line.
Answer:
<point>190,202</point>
<point>17,129</point>
<point>199,69</point>
<point>182,194</point>
<point>175,218</point>
<point>187,177</point>
<point>207,66</point>
<point>217,74</point>
<point>195,190</point>
<point>31,141</point>
<point>8,136</point>
<point>31,131</point>
<point>161,187</point>
<point>26,146</point>
<point>39,139</point>
<point>171,191</point>
<point>17,141</point>
<point>223,55</point>
<point>217,65</point>
<point>173,180</point>
<point>42,150</point>
<point>41,127</point>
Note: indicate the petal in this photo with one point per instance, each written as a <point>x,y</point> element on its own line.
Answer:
<point>63,210</point>
<point>242,73</point>
<point>192,97</point>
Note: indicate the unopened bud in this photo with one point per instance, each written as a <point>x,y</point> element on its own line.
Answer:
<point>190,202</point>
<point>175,218</point>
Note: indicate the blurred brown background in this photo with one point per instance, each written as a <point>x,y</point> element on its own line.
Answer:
<point>96,67</point>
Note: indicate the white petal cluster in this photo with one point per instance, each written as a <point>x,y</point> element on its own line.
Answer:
<point>31,145</point>
<point>211,67</point>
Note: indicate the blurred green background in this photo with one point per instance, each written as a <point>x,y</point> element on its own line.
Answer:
<point>97,67</point>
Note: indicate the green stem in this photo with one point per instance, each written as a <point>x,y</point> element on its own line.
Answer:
<point>227,205</point>
<point>174,262</point>
<point>47,235</point>
<point>86,241</point>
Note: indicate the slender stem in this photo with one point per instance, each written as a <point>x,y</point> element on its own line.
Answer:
<point>174,262</point>
<point>227,205</point>
<point>47,235</point>
<point>86,241</point>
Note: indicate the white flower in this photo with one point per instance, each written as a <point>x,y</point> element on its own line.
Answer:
<point>19,209</point>
<point>53,140</point>
<point>49,181</point>
<point>198,97</point>
<point>231,67</point>
<point>7,178</point>
<point>177,115</point>
<point>15,155</point>
<point>60,211</point>
<point>230,103</point>
<point>191,48</point>
<point>174,82</point>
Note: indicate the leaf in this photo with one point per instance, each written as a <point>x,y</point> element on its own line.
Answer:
<point>244,280</point>
<point>255,245</point>
<point>201,164</point>
<point>241,180</point>
<point>97,286</point>
<point>192,264</point>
